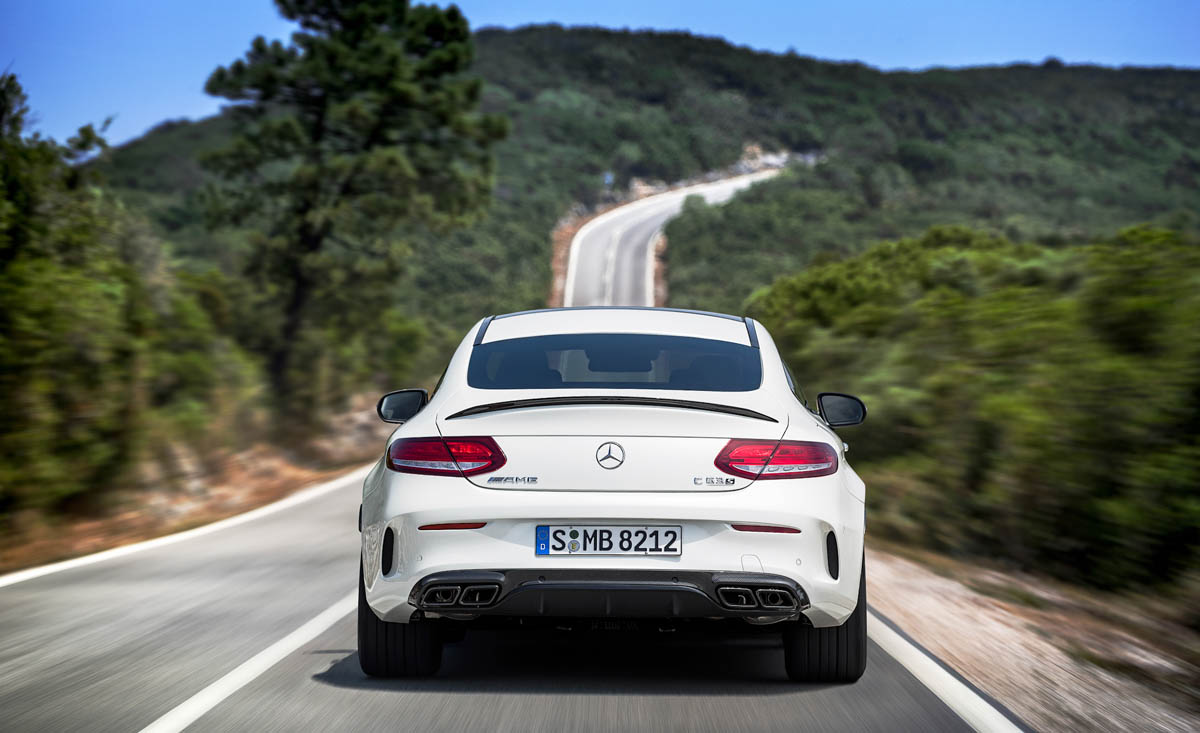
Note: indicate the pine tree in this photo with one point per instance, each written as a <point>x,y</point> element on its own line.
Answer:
<point>366,122</point>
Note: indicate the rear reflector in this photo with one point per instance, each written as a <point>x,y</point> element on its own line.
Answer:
<point>762,459</point>
<point>455,525</point>
<point>765,528</point>
<point>445,456</point>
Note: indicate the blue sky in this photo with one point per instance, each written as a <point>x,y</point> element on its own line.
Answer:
<point>143,61</point>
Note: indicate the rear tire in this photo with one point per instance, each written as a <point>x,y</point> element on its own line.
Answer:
<point>837,654</point>
<point>395,650</point>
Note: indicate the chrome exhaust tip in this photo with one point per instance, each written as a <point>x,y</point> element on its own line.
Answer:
<point>776,598</point>
<point>440,595</point>
<point>737,597</point>
<point>478,595</point>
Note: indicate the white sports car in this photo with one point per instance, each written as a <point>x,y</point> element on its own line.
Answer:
<point>588,464</point>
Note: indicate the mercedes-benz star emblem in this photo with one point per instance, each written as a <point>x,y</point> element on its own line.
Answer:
<point>610,455</point>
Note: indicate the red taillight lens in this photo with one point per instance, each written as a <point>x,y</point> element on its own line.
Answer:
<point>768,528</point>
<point>760,459</point>
<point>445,456</point>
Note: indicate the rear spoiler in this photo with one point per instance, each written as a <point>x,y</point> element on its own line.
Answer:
<point>750,332</point>
<point>611,400</point>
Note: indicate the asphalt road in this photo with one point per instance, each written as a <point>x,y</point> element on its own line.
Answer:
<point>200,628</point>
<point>610,256</point>
<point>115,645</point>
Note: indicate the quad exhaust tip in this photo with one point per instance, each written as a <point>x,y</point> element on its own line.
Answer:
<point>442,596</point>
<point>478,595</point>
<point>776,598</point>
<point>737,597</point>
<point>769,598</point>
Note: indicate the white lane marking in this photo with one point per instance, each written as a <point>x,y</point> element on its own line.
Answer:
<point>973,709</point>
<point>609,280</point>
<point>190,710</point>
<point>299,497</point>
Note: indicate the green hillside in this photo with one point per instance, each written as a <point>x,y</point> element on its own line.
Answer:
<point>1046,152</point>
<point>1050,153</point>
<point>582,102</point>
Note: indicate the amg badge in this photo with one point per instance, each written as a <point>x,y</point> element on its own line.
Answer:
<point>513,480</point>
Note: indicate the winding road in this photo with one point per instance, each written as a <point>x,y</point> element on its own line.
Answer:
<point>612,256</point>
<point>248,625</point>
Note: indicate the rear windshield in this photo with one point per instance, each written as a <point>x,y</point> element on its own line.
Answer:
<point>615,360</point>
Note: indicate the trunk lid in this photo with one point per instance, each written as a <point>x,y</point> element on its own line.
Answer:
<point>659,445</point>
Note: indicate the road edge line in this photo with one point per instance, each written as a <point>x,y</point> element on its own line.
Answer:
<point>975,707</point>
<point>300,497</point>
<point>651,285</point>
<point>192,709</point>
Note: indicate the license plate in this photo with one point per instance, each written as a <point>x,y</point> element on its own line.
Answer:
<point>573,539</point>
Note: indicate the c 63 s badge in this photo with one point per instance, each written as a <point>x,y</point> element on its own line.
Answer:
<point>713,481</point>
<point>513,480</point>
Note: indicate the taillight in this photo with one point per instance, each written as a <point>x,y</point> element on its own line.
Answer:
<point>762,459</point>
<point>445,456</point>
<point>768,528</point>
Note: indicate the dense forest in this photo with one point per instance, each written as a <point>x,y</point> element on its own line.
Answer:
<point>1031,402</point>
<point>1049,154</point>
<point>139,327</point>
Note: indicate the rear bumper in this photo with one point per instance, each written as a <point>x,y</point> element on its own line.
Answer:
<point>559,593</point>
<point>396,506</point>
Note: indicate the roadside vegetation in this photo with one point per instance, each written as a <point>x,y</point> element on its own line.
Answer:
<point>123,356</point>
<point>106,355</point>
<point>1033,403</point>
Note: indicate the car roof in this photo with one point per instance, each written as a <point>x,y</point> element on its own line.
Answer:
<point>618,319</point>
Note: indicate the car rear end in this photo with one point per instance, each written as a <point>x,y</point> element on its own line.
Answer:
<point>591,464</point>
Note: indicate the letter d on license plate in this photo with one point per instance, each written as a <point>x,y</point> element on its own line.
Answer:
<point>576,539</point>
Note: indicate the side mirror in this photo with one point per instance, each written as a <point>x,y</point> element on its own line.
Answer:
<point>401,405</point>
<point>841,410</point>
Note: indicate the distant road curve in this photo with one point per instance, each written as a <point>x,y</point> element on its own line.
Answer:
<point>611,261</point>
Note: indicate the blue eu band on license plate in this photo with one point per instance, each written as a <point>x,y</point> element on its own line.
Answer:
<point>574,539</point>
